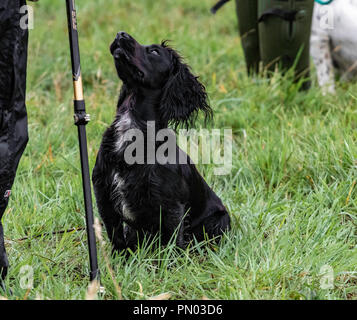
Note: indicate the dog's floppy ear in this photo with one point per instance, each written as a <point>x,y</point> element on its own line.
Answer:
<point>184,96</point>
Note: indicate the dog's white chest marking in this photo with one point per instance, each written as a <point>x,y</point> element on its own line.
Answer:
<point>118,197</point>
<point>121,127</point>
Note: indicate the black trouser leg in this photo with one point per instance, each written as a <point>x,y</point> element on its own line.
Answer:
<point>4,263</point>
<point>13,116</point>
<point>3,258</point>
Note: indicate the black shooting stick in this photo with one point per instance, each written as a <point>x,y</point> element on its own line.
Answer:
<point>81,119</point>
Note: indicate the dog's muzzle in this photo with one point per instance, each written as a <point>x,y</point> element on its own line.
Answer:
<point>123,43</point>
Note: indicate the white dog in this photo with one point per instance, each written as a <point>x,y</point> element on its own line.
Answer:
<point>334,42</point>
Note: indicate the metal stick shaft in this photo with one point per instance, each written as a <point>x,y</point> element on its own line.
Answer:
<point>81,119</point>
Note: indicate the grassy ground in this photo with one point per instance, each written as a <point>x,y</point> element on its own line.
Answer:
<point>291,192</point>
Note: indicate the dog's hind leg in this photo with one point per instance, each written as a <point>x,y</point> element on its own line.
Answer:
<point>212,227</point>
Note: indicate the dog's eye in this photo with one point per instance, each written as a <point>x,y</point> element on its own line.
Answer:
<point>155,52</point>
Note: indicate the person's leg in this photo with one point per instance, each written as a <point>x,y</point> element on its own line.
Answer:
<point>13,116</point>
<point>284,35</point>
<point>3,258</point>
<point>247,13</point>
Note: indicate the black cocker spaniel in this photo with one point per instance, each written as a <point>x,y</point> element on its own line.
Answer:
<point>151,196</point>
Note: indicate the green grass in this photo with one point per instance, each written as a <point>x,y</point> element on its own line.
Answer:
<point>291,192</point>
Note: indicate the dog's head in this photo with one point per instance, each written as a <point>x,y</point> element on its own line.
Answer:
<point>159,67</point>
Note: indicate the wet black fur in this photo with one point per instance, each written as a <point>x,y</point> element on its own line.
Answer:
<point>161,198</point>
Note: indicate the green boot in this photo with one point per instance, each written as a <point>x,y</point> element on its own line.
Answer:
<point>247,13</point>
<point>284,33</point>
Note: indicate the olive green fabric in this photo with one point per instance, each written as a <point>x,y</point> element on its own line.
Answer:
<point>280,38</point>
<point>285,42</point>
<point>247,12</point>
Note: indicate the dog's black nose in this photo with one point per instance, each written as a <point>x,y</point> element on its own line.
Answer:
<point>116,43</point>
<point>123,35</point>
<point>124,41</point>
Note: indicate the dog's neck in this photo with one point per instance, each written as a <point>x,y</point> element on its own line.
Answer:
<point>142,104</point>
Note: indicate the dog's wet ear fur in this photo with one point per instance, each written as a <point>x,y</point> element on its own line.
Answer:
<point>184,96</point>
